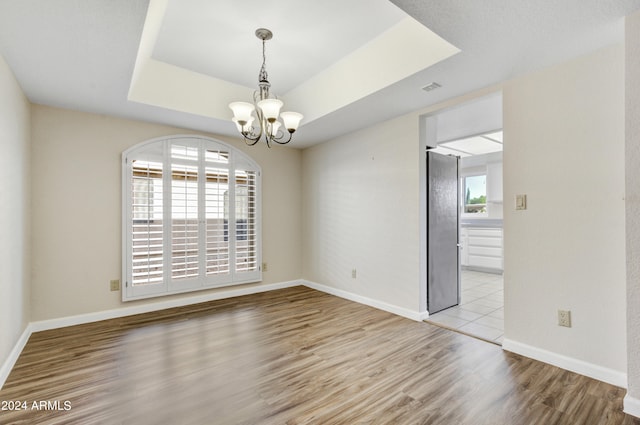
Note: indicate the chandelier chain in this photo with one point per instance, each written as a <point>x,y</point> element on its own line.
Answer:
<point>263,71</point>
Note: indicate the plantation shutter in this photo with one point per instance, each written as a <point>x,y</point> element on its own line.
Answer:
<point>217,216</point>
<point>191,217</point>
<point>246,231</point>
<point>184,212</point>
<point>147,224</point>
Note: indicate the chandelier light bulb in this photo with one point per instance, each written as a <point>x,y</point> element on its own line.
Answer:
<point>270,108</point>
<point>242,111</point>
<point>273,128</point>
<point>246,127</point>
<point>291,120</point>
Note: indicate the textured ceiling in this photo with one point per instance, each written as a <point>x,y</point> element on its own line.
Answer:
<point>82,54</point>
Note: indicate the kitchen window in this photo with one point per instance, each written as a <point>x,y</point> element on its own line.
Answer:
<point>474,190</point>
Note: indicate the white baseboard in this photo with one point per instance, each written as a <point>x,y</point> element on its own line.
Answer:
<point>632,406</point>
<point>8,364</point>
<point>400,311</point>
<point>581,367</point>
<point>80,319</point>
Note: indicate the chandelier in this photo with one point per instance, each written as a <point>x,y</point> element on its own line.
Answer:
<point>266,108</point>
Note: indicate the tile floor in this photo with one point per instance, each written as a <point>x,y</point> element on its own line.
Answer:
<point>481,309</point>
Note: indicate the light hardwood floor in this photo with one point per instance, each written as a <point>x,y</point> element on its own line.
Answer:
<point>293,356</point>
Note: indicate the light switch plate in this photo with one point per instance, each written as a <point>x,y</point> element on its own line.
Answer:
<point>521,202</point>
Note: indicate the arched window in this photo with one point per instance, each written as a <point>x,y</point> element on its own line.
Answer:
<point>191,217</point>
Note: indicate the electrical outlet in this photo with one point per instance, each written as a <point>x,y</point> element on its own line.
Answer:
<point>264,267</point>
<point>114,285</point>
<point>564,318</point>
<point>353,273</point>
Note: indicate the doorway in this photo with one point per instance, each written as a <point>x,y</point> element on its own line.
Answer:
<point>473,132</point>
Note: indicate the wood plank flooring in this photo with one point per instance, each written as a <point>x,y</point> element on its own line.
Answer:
<point>293,356</point>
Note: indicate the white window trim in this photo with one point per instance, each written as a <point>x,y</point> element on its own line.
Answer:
<point>168,286</point>
<point>463,176</point>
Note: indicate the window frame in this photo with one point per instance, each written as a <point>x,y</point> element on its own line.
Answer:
<point>236,163</point>
<point>463,186</point>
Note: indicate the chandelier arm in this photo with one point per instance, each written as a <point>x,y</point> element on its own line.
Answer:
<point>250,138</point>
<point>250,141</point>
<point>277,140</point>
<point>256,98</point>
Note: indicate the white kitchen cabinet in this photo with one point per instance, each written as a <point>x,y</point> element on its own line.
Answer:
<point>483,248</point>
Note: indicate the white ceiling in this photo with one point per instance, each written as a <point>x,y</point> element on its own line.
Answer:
<point>178,61</point>
<point>471,146</point>
<point>480,116</point>
<point>344,72</point>
<point>217,38</point>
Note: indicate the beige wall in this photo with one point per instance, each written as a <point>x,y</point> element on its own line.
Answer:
<point>632,96</point>
<point>15,142</point>
<point>360,209</point>
<point>350,203</point>
<point>564,149</point>
<point>76,212</point>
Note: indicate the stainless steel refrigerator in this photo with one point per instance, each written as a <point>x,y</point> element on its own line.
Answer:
<point>443,223</point>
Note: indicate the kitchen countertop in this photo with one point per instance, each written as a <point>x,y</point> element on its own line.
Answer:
<point>481,222</point>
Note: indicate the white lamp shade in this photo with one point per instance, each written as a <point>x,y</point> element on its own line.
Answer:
<point>270,108</point>
<point>291,120</point>
<point>246,127</point>
<point>242,111</point>
<point>273,128</point>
